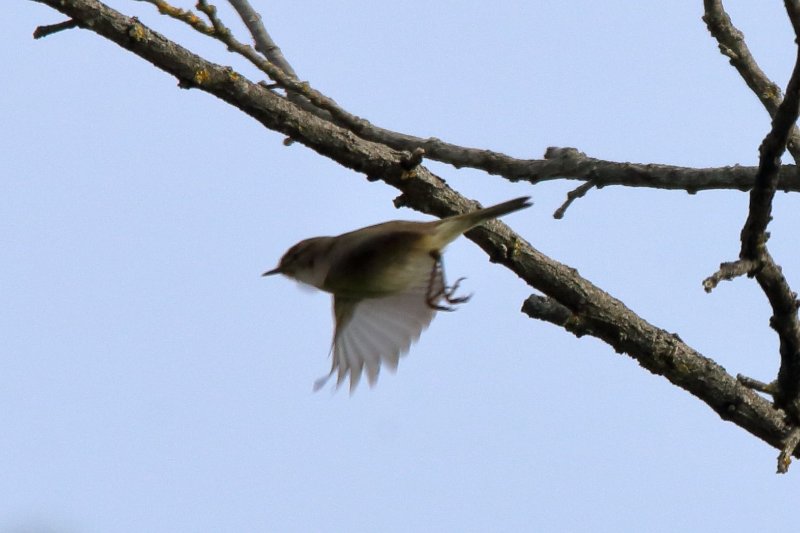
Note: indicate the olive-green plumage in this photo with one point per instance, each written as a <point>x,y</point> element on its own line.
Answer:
<point>386,281</point>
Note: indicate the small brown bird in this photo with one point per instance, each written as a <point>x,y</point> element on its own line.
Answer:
<point>387,283</point>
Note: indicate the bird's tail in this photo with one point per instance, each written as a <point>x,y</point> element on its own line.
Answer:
<point>450,228</point>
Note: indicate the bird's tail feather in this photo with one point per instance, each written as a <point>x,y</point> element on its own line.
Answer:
<point>450,228</point>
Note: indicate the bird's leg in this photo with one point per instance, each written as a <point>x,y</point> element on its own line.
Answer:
<point>435,284</point>
<point>437,288</point>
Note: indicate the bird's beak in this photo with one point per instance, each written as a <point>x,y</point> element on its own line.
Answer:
<point>276,270</point>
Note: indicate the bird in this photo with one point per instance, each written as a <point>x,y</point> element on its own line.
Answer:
<point>387,283</point>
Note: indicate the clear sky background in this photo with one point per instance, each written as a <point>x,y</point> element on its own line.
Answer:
<point>151,380</point>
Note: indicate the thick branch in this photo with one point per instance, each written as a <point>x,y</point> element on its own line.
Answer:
<point>599,313</point>
<point>660,352</point>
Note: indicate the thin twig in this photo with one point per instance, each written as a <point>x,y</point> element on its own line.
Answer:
<point>756,385</point>
<point>790,445</point>
<point>262,39</point>
<point>184,15</point>
<point>50,29</point>
<point>578,192</point>
<point>729,271</point>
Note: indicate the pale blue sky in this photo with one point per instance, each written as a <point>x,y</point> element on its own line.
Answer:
<point>151,380</point>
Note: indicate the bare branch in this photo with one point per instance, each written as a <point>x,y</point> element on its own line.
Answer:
<point>754,257</point>
<point>732,45</point>
<point>785,457</point>
<point>754,231</point>
<point>793,11</point>
<point>549,310</point>
<point>276,65</point>
<point>262,39</point>
<point>784,321</point>
<point>44,31</point>
<point>578,192</point>
<point>770,277</point>
<point>569,163</point>
<point>184,15</point>
<point>558,163</point>
<point>756,385</point>
<point>729,271</point>
<point>657,350</point>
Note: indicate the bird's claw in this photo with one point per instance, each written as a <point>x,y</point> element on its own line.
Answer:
<point>448,295</point>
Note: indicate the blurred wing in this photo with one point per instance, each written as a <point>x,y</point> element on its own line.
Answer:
<point>376,331</point>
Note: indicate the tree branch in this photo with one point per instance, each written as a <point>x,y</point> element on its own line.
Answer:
<point>754,237</point>
<point>732,45</point>
<point>754,231</point>
<point>790,445</point>
<point>784,321</point>
<point>50,29</point>
<point>595,312</point>
<point>661,353</point>
<point>569,163</point>
<point>579,192</point>
<point>262,39</point>
<point>558,163</point>
<point>754,257</point>
<point>729,271</point>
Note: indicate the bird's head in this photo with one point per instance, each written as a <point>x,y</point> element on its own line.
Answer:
<point>306,261</point>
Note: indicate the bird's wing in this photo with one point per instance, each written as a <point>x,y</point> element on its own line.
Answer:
<point>375,331</point>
